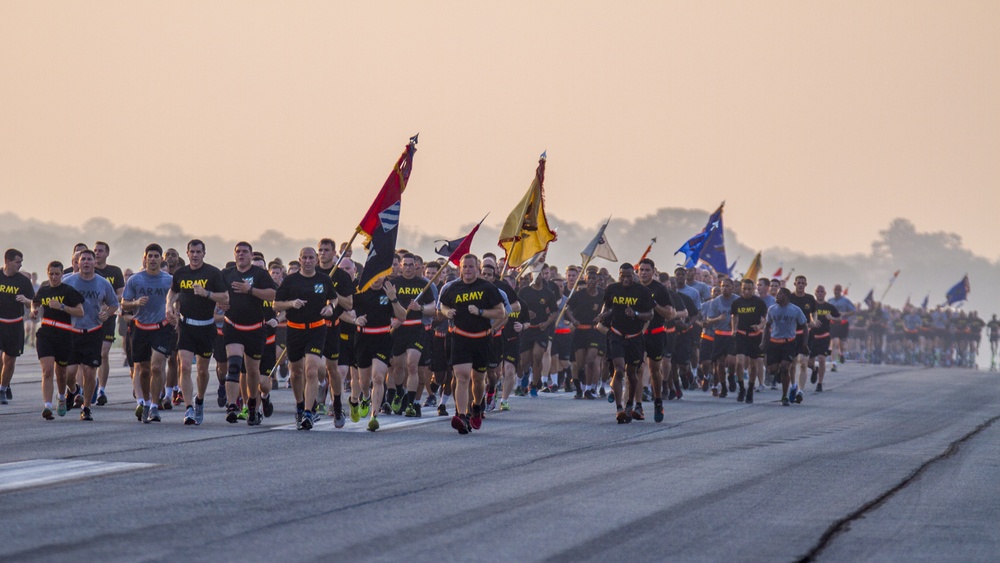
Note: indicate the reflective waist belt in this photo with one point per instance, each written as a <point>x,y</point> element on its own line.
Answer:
<point>374,329</point>
<point>412,322</point>
<point>154,326</point>
<point>798,331</point>
<point>657,330</point>
<point>89,330</point>
<point>619,333</point>
<point>671,329</point>
<point>748,333</point>
<point>247,328</point>
<point>269,340</point>
<point>12,321</point>
<point>563,330</point>
<point>723,333</point>
<point>468,334</point>
<point>196,322</point>
<point>708,337</point>
<point>782,340</point>
<point>821,335</point>
<point>298,326</point>
<point>584,327</point>
<point>332,323</point>
<point>59,325</point>
<point>838,321</point>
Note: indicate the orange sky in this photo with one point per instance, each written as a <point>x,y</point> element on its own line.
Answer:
<point>233,117</point>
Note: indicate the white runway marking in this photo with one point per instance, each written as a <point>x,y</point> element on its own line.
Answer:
<point>38,472</point>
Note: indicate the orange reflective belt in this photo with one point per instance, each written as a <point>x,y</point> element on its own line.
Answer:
<point>374,330</point>
<point>563,330</point>
<point>412,322</point>
<point>707,337</point>
<point>11,321</point>
<point>57,324</point>
<point>782,340</point>
<point>748,333</point>
<point>618,332</point>
<point>657,330</point>
<point>723,333</point>
<point>154,326</point>
<point>298,326</point>
<point>468,334</point>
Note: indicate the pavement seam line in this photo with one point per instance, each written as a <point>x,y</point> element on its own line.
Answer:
<point>843,525</point>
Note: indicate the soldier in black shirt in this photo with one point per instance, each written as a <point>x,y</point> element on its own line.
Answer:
<point>807,303</point>
<point>541,307</point>
<point>55,337</point>
<point>377,312</point>
<point>582,312</point>
<point>628,306</point>
<point>196,289</point>
<point>407,340</point>
<point>655,337</point>
<point>15,293</point>
<point>243,333</point>
<point>307,296</point>
<point>819,339</point>
<point>471,303</point>
<point>116,278</point>
<point>749,314</point>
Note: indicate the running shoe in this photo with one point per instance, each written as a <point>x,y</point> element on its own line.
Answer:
<point>798,397</point>
<point>339,420</point>
<point>244,413</point>
<point>307,421</point>
<point>298,419</point>
<point>102,399</point>
<point>355,411</point>
<point>154,414</point>
<point>61,409</point>
<point>680,394</point>
<point>819,387</point>
<point>602,392</point>
<point>723,392</point>
<point>221,399</point>
<point>321,409</point>
<point>397,404</point>
<point>232,415</point>
<point>518,391</point>
<point>715,391</point>
<point>784,401</point>
<point>77,399</point>
<point>658,411</point>
<point>833,367</point>
<point>579,393</point>
<point>373,424</point>
<point>386,409</point>
<point>534,391</point>
<point>420,413</point>
<point>622,416</point>
<point>637,413</point>
<point>9,395</point>
<point>476,421</point>
<point>93,396</point>
<point>742,396</point>
<point>458,423</point>
<point>568,386</point>
<point>199,413</point>
<point>774,385</point>
<point>85,414</point>
<point>431,401</point>
<point>442,410</point>
<point>731,379</point>
<point>671,395</point>
<point>611,396</point>
<point>253,418</point>
<point>504,406</point>
<point>749,396</point>
<point>47,414</point>
<point>267,405</point>
<point>589,395</point>
<point>366,407</point>
<point>411,412</point>
<point>140,413</point>
<point>646,394</point>
<point>815,374</point>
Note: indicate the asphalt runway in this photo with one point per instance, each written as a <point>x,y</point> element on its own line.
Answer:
<point>888,464</point>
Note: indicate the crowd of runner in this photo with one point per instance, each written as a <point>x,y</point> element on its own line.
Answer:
<point>431,334</point>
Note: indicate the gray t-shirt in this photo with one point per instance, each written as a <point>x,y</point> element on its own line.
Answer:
<point>96,292</point>
<point>722,306</point>
<point>784,320</point>
<point>154,287</point>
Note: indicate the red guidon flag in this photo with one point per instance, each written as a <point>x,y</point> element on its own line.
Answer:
<point>392,190</point>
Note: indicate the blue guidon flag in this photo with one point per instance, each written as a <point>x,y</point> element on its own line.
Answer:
<point>960,291</point>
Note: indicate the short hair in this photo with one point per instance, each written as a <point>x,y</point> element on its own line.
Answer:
<point>489,255</point>
<point>747,281</point>
<point>244,243</point>
<point>472,256</point>
<point>153,247</point>
<point>800,277</point>
<point>258,254</point>
<point>787,292</point>
<point>327,241</point>
<point>55,264</point>
<point>79,246</point>
<point>88,251</point>
<point>12,254</point>
<point>626,266</point>
<point>410,255</point>
<point>648,261</point>
<point>765,280</point>
<point>196,242</point>
<point>106,246</point>
<point>680,269</point>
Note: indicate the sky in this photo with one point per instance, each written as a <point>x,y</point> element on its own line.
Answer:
<point>817,122</point>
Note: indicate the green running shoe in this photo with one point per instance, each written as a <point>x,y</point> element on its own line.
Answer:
<point>397,404</point>
<point>355,411</point>
<point>61,410</point>
<point>366,406</point>
<point>373,424</point>
<point>244,414</point>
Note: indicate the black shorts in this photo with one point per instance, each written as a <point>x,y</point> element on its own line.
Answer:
<point>683,346</point>
<point>426,345</point>
<point>629,349</point>
<point>748,344</point>
<point>347,341</point>
<point>838,330</point>
<point>722,347</point>
<point>497,342</point>
<point>252,340</point>
<point>87,348</point>
<point>270,353</point>
<point>706,347</point>
<point>654,344</point>
<point>331,345</point>
<point>12,338</point>
<point>302,341</point>
<point>475,351</point>
<point>219,346</point>
<point>562,345</point>
<point>586,338</point>
<point>801,343</point>
<point>530,337</point>
<point>778,352</point>
<point>441,353</point>
<point>512,351</point>
<point>819,346</point>
<point>144,342</point>
<point>199,340</point>
<point>669,343</point>
<point>371,347</point>
<point>406,338</point>
<point>51,342</point>
<point>111,328</point>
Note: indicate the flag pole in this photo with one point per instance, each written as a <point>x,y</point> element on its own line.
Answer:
<point>562,310</point>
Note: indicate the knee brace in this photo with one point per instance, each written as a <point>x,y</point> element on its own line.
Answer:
<point>235,367</point>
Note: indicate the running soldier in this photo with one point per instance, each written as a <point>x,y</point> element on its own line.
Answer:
<point>627,308</point>
<point>819,339</point>
<point>16,292</point>
<point>749,314</point>
<point>784,320</point>
<point>59,302</point>
<point>116,278</point>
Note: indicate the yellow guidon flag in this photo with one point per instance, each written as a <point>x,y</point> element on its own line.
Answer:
<point>526,231</point>
<point>754,269</point>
